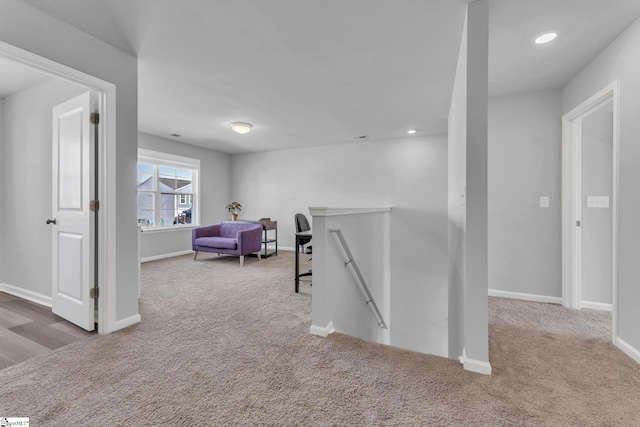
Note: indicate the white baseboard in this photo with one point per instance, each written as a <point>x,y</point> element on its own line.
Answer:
<point>322,331</point>
<point>596,306</point>
<point>628,350</point>
<point>525,297</point>
<point>47,302</point>
<point>121,324</point>
<point>476,366</point>
<point>26,294</point>
<point>157,257</point>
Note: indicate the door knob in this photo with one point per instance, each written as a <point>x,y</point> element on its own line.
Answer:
<point>51,221</point>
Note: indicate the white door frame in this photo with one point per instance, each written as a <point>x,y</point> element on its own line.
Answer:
<point>571,191</point>
<point>106,151</point>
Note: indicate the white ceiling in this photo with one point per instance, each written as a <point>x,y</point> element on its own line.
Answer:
<point>308,72</point>
<point>584,27</point>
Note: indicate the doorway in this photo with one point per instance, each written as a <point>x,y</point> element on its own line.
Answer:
<point>590,203</point>
<point>594,287</point>
<point>105,259</point>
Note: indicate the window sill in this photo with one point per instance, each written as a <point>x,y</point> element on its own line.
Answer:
<point>152,230</point>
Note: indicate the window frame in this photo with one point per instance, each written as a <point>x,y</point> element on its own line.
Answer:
<point>157,158</point>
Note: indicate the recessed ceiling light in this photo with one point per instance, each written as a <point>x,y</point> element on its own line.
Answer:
<point>412,131</point>
<point>241,127</point>
<point>545,38</point>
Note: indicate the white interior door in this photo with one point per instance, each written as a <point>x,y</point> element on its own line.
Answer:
<point>72,220</point>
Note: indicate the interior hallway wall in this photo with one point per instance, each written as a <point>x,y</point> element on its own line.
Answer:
<point>215,190</point>
<point>408,174</point>
<point>620,61</point>
<point>27,191</point>
<point>525,160</point>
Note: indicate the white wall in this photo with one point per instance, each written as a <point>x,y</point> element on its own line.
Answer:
<point>468,224</point>
<point>30,29</point>
<point>620,61</point>
<point>525,147</point>
<point>457,184</point>
<point>27,169</point>
<point>215,190</point>
<point>597,180</point>
<point>476,319</point>
<point>408,174</point>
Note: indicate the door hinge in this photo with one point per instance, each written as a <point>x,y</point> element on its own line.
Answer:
<point>94,205</point>
<point>577,223</point>
<point>94,293</point>
<point>94,118</point>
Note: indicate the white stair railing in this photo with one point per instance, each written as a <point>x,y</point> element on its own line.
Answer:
<point>370,301</point>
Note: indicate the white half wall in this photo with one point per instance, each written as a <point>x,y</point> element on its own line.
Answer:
<point>620,61</point>
<point>525,160</point>
<point>338,296</point>
<point>215,189</point>
<point>409,174</point>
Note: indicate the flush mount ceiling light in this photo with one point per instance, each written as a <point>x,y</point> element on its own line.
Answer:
<point>241,127</point>
<point>412,131</point>
<point>545,38</point>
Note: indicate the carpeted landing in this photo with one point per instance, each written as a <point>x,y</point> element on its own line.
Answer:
<point>224,345</point>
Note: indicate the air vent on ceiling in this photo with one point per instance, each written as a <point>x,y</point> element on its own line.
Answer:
<point>175,135</point>
<point>361,137</point>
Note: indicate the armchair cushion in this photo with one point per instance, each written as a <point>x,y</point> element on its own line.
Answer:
<point>218,242</point>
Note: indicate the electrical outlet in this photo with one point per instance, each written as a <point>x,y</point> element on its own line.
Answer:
<point>598,202</point>
<point>544,201</point>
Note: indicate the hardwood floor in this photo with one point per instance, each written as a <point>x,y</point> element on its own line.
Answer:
<point>28,329</point>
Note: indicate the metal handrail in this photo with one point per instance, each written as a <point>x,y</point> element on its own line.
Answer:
<point>363,284</point>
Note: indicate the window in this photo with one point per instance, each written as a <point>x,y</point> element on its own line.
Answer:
<point>167,189</point>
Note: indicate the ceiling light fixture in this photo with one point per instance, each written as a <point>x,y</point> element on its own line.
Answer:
<point>412,131</point>
<point>241,127</point>
<point>545,38</point>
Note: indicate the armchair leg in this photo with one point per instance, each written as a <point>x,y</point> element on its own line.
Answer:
<point>195,255</point>
<point>259,257</point>
<point>241,260</point>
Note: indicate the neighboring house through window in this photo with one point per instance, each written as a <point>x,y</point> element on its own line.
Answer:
<point>167,189</point>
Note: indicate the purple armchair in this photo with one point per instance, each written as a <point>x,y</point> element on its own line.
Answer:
<point>228,238</point>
